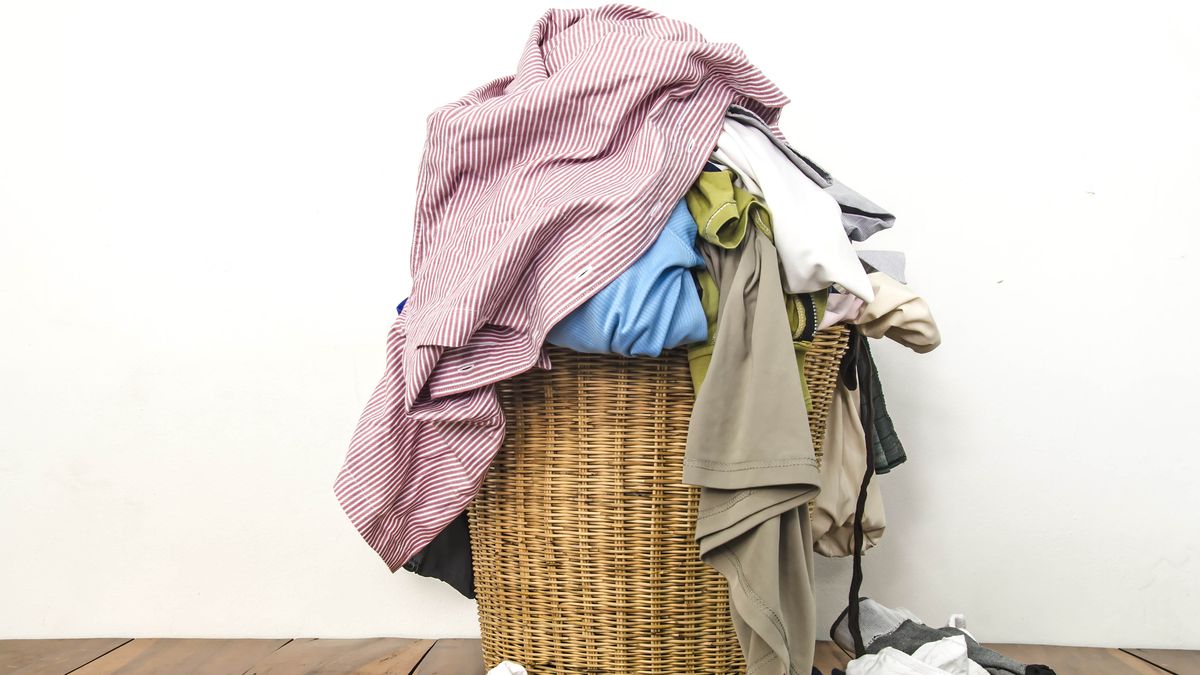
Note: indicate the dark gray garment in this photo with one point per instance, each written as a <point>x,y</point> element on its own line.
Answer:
<point>886,447</point>
<point>911,635</point>
<point>861,217</point>
<point>448,557</point>
<point>750,450</point>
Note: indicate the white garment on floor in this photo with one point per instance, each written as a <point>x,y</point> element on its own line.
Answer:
<point>812,244</point>
<point>508,668</point>
<point>947,656</point>
<point>874,620</point>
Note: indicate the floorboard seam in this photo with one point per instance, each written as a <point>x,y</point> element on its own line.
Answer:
<point>421,660</point>
<point>255,664</point>
<point>1142,658</point>
<point>100,655</point>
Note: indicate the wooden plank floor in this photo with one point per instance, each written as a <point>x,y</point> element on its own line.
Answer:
<point>1178,661</point>
<point>1081,660</point>
<point>31,657</point>
<point>375,656</point>
<point>403,656</point>
<point>155,655</point>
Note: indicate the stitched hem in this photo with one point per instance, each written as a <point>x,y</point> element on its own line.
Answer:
<point>766,609</point>
<point>708,465</point>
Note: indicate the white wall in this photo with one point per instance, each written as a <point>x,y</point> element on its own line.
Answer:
<point>204,227</point>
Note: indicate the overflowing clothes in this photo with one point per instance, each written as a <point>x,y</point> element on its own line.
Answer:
<point>724,213</point>
<point>523,183</point>
<point>814,251</point>
<point>628,191</point>
<point>860,216</point>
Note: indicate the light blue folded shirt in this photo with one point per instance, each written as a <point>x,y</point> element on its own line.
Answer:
<point>652,306</point>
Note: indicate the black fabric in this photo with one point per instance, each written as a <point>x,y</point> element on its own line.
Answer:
<point>857,371</point>
<point>885,444</point>
<point>1037,669</point>
<point>448,557</point>
<point>883,449</point>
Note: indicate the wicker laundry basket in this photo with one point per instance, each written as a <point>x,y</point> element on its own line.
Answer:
<point>582,532</point>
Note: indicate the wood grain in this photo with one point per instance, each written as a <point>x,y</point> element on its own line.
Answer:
<point>52,657</point>
<point>155,656</point>
<point>370,656</point>
<point>453,657</point>
<point>404,656</point>
<point>1178,661</point>
<point>1079,660</point>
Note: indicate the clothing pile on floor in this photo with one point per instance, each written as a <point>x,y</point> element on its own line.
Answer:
<point>628,191</point>
<point>901,644</point>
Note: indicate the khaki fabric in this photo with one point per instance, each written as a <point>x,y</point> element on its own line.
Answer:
<point>723,212</point>
<point>900,314</point>
<point>843,463</point>
<point>749,449</point>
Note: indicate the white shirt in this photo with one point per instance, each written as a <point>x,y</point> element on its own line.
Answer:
<point>947,656</point>
<point>812,244</point>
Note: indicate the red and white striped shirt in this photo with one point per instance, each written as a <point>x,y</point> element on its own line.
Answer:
<point>535,191</point>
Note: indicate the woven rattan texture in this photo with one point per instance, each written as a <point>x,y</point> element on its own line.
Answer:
<point>582,532</point>
<point>821,371</point>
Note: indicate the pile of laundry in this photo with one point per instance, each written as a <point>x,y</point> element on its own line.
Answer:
<point>628,191</point>
<point>901,644</point>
